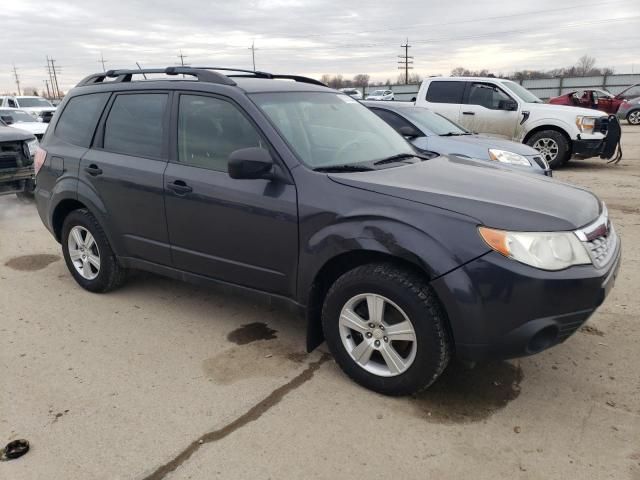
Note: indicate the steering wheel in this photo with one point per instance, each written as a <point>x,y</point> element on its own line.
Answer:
<point>343,150</point>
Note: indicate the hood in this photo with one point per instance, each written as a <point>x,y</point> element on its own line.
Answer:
<point>621,94</point>
<point>37,128</point>
<point>562,110</point>
<point>476,146</point>
<point>494,197</point>
<point>10,134</point>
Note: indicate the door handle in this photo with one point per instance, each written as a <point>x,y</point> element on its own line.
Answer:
<point>179,187</point>
<point>468,113</point>
<point>93,170</point>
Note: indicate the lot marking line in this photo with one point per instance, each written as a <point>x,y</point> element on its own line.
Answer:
<point>253,414</point>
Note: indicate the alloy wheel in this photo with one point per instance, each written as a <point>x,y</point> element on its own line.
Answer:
<point>84,252</point>
<point>548,148</point>
<point>634,117</point>
<point>377,334</point>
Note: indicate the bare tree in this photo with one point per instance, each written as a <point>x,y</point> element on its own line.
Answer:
<point>585,65</point>
<point>326,78</point>
<point>414,78</point>
<point>361,80</point>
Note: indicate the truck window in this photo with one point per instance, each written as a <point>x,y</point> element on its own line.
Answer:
<point>486,95</point>
<point>12,103</point>
<point>78,120</point>
<point>445,92</point>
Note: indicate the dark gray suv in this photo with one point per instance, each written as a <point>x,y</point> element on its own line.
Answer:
<point>280,186</point>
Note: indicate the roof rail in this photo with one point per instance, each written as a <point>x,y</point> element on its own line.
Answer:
<point>126,75</point>
<point>202,74</point>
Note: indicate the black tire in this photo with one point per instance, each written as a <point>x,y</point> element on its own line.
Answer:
<point>633,117</point>
<point>564,150</point>
<point>416,298</point>
<point>111,274</point>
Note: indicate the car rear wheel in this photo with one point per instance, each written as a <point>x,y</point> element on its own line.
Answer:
<point>386,329</point>
<point>88,255</point>
<point>552,145</point>
<point>634,117</point>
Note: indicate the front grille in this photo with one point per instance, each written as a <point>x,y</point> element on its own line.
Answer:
<point>602,248</point>
<point>601,125</point>
<point>10,154</point>
<point>540,162</point>
<point>46,116</point>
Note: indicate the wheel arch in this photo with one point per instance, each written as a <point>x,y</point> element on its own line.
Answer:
<point>60,212</point>
<point>331,270</point>
<point>541,128</point>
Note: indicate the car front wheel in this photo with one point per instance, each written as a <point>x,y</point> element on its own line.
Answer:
<point>386,329</point>
<point>552,145</point>
<point>634,117</point>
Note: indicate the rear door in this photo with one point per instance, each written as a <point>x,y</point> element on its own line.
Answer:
<point>240,231</point>
<point>445,97</point>
<point>125,169</point>
<point>483,110</point>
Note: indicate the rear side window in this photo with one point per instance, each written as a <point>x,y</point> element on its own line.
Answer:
<point>135,125</point>
<point>79,118</point>
<point>445,92</point>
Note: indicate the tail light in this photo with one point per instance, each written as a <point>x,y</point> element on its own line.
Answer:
<point>39,158</point>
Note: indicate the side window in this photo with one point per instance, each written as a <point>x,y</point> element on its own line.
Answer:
<point>135,125</point>
<point>486,95</point>
<point>396,121</point>
<point>79,118</point>
<point>445,92</point>
<point>209,129</point>
<point>12,103</point>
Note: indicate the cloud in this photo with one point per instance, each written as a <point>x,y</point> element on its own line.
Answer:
<point>312,36</point>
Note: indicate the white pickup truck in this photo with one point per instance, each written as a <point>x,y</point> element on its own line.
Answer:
<point>503,108</point>
<point>40,108</point>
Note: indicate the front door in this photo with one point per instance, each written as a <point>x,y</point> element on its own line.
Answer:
<point>483,111</point>
<point>240,231</point>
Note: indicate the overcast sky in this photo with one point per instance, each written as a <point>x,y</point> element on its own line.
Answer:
<point>313,37</point>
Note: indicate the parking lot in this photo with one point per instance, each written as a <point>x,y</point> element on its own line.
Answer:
<point>161,379</point>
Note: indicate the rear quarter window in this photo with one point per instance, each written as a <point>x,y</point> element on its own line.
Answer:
<point>78,121</point>
<point>445,92</point>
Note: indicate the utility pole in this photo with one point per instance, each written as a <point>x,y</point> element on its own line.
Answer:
<point>102,61</point>
<point>15,74</point>
<point>50,75</point>
<point>182,57</point>
<point>46,84</point>
<point>53,76</point>
<point>253,53</point>
<point>406,60</point>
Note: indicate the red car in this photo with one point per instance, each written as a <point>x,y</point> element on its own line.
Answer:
<point>597,99</point>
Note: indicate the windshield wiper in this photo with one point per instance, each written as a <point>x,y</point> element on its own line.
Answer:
<point>454,134</point>
<point>396,158</point>
<point>343,168</point>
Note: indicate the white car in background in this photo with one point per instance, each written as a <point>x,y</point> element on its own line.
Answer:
<point>380,95</point>
<point>14,117</point>
<point>352,92</point>
<point>40,108</point>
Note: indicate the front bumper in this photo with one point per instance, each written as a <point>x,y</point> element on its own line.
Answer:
<point>500,308</point>
<point>588,148</point>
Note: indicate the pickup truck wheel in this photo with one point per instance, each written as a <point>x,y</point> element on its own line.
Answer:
<point>386,329</point>
<point>634,117</point>
<point>552,145</point>
<point>88,255</point>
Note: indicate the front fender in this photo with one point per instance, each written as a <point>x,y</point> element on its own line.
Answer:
<point>554,123</point>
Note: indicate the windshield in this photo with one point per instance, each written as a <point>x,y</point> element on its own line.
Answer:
<point>378,92</point>
<point>17,115</point>
<point>522,93</point>
<point>433,122</point>
<point>328,129</point>
<point>29,102</point>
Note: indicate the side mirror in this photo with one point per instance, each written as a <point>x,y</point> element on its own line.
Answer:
<point>8,119</point>
<point>409,132</point>
<point>250,163</point>
<point>509,105</point>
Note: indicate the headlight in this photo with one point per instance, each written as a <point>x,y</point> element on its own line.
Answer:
<point>544,250</point>
<point>32,145</point>
<point>511,158</point>
<point>585,124</point>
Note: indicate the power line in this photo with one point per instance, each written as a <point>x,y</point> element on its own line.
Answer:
<point>405,59</point>
<point>15,74</point>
